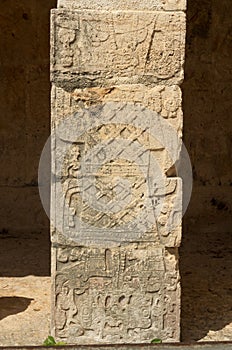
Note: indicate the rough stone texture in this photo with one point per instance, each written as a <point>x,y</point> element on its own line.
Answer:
<point>206,249</point>
<point>125,226</point>
<point>124,276</point>
<point>24,100</point>
<point>166,101</point>
<point>93,48</point>
<point>24,310</point>
<point>206,287</point>
<point>114,295</point>
<point>24,257</point>
<point>205,346</point>
<point>170,5</point>
<point>116,216</point>
<point>207,91</point>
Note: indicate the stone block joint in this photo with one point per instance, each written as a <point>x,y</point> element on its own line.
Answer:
<point>116,133</point>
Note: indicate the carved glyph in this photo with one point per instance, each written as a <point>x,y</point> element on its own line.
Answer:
<point>164,100</point>
<point>117,295</point>
<point>117,47</point>
<point>169,5</point>
<point>116,199</point>
<point>101,181</point>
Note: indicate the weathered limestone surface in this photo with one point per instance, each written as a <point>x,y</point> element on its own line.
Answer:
<point>170,5</point>
<point>114,295</point>
<point>92,48</point>
<point>162,99</point>
<point>117,129</point>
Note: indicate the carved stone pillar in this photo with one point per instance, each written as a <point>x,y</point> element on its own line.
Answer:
<point>116,204</point>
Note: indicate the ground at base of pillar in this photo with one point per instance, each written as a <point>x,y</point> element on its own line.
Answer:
<point>24,310</point>
<point>206,296</point>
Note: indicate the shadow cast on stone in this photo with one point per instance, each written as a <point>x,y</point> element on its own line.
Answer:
<point>13,305</point>
<point>24,256</point>
<point>206,288</point>
<point>205,254</point>
<point>25,127</point>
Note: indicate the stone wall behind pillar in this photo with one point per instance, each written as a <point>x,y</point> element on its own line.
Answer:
<point>25,114</point>
<point>207,91</point>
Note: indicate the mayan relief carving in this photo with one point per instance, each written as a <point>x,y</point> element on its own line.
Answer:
<point>130,215</point>
<point>128,47</point>
<point>66,38</point>
<point>172,5</point>
<point>116,135</point>
<point>98,291</point>
<point>164,100</point>
<point>108,164</point>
